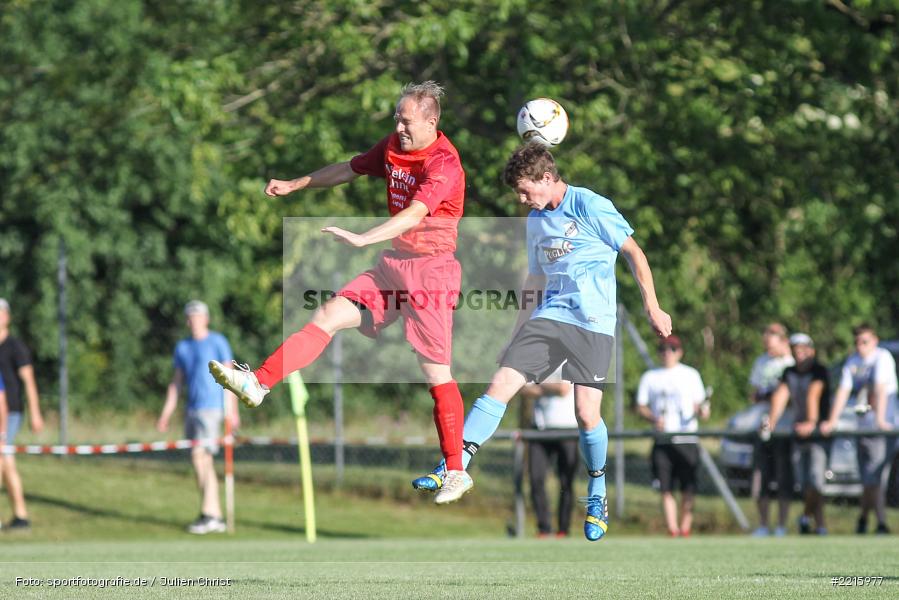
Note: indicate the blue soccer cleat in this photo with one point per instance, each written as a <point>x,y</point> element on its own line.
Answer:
<point>433,481</point>
<point>596,523</point>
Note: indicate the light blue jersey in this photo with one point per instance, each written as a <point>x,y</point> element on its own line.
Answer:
<point>192,357</point>
<point>575,245</point>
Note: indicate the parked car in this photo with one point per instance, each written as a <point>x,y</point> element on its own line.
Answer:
<point>841,479</point>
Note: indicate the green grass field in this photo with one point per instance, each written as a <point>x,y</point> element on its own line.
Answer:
<point>108,518</point>
<point>701,568</point>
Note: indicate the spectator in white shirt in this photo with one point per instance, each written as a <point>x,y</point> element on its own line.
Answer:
<point>672,398</point>
<point>869,373</point>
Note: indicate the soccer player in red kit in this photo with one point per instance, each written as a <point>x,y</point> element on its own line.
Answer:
<point>425,196</point>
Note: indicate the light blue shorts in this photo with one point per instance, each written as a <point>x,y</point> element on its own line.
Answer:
<point>13,424</point>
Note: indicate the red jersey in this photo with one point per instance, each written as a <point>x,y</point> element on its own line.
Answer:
<point>433,176</point>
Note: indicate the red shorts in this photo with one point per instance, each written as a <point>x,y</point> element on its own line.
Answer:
<point>423,289</point>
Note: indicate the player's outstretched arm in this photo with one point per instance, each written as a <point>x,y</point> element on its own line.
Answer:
<point>636,260</point>
<point>398,224</point>
<point>325,177</point>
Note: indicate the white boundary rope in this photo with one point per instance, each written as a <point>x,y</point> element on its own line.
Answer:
<point>138,447</point>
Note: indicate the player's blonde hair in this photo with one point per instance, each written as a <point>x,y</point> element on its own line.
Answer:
<point>427,96</point>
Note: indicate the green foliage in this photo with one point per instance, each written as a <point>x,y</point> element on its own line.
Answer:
<point>752,145</point>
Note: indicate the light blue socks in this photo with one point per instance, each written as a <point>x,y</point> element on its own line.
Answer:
<point>480,424</point>
<point>594,448</point>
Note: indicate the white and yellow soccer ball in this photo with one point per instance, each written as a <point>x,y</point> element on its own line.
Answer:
<point>543,120</point>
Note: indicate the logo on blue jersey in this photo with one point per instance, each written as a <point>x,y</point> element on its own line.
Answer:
<point>556,250</point>
<point>571,229</point>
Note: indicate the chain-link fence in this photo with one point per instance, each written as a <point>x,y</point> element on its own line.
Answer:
<point>384,470</point>
<point>726,471</point>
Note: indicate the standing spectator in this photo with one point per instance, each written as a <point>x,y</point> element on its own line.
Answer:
<point>553,410</point>
<point>4,412</point>
<point>671,397</point>
<point>772,457</point>
<point>871,370</point>
<point>769,367</point>
<point>805,387</point>
<point>205,408</point>
<point>17,372</point>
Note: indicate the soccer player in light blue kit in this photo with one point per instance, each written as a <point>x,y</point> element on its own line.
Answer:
<point>568,313</point>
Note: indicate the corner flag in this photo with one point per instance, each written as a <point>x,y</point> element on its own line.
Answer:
<point>298,397</point>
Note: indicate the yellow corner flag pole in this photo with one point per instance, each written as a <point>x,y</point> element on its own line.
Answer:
<point>298,397</point>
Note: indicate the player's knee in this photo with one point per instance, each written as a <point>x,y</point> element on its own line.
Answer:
<point>588,419</point>
<point>507,377</point>
<point>435,373</point>
<point>336,314</point>
<point>436,381</point>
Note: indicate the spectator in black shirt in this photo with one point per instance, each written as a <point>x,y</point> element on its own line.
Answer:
<point>17,372</point>
<point>803,391</point>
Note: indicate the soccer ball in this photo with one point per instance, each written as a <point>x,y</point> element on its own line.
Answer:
<point>543,121</point>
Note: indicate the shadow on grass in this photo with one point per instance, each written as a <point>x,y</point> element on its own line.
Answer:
<point>299,530</point>
<point>95,511</point>
<point>178,525</point>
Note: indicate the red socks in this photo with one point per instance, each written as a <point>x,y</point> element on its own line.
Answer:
<point>297,351</point>
<point>303,347</point>
<point>449,417</point>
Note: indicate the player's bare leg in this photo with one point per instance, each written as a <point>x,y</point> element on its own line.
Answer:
<point>880,511</point>
<point>763,504</point>
<point>210,520</point>
<point>871,501</point>
<point>783,515</point>
<point>14,487</point>
<point>297,352</point>
<point>686,523</point>
<point>207,481</point>
<point>669,509</point>
<point>816,502</point>
<point>505,384</point>
<point>337,314</point>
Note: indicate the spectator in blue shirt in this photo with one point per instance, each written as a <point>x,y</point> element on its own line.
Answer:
<point>205,408</point>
